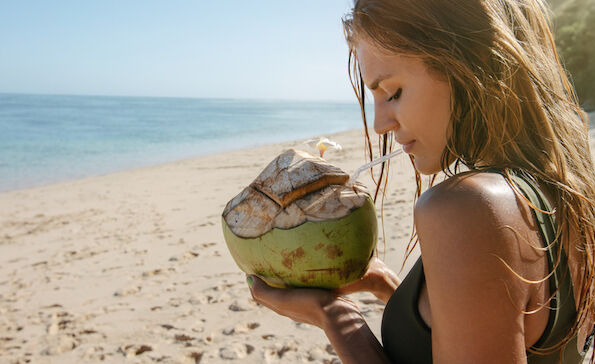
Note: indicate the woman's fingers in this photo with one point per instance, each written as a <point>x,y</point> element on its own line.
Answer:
<point>283,297</point>
<point>357,286</point>
<point>300,304</point>
<point>263,293</point>
<point>275,299</point>
<point>367,283</point>
<point>379,280</point>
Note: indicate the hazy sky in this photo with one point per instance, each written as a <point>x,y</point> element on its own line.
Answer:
<point>274,49</point>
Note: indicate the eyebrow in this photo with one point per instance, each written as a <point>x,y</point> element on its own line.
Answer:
<point>374,84</point>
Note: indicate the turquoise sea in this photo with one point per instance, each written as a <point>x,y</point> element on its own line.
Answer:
<point>46,139</point>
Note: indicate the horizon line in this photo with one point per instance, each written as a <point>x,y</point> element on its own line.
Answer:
<point>263,99</point>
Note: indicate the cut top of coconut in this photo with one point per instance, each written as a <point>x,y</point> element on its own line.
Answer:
<point>293,189</point>
<point>252,214</point>
<point>294,174</point>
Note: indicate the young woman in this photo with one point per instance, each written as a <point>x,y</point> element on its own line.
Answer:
<point>507,271</point>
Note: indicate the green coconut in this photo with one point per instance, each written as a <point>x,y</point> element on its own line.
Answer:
<point>298,224</point>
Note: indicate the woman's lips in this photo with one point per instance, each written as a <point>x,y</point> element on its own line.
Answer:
<point>408,146</point>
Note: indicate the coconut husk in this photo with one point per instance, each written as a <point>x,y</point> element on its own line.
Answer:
<point>294,188</point>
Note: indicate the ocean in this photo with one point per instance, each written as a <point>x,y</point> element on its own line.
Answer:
<point>46,139</point>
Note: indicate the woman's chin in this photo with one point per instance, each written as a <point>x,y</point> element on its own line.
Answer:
<point>423,167</point>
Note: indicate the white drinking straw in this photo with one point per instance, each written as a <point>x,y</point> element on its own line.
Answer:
<point>376,161</point>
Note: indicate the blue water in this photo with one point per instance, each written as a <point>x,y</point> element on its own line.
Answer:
<point>46,139</point>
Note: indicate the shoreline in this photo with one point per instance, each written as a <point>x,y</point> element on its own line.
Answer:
<point>182,160</point>
<point>55,138</point>
<point>67,180</point>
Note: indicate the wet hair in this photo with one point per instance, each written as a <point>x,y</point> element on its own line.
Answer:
<point>513,108</point>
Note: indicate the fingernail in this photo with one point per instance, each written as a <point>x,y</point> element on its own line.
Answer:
<point>250,281</point>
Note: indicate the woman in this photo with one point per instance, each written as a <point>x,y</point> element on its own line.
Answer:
<point>507,246</point>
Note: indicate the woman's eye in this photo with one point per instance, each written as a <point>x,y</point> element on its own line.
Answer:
<point>396,95</point>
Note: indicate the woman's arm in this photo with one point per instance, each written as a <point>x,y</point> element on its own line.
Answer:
<point>339,317</point>
<point>350,335</point>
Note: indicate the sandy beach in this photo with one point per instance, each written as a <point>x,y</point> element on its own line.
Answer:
<point>132,267</point>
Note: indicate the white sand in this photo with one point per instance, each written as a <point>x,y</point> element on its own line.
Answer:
<point>132,267</point>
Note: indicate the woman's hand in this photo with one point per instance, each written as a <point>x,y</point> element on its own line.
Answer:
<point>378,280</point>
<point>308,305</point>
<point>318,306</point>
<point>339,317</point>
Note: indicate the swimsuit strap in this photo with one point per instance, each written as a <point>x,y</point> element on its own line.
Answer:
<point>562,304</point>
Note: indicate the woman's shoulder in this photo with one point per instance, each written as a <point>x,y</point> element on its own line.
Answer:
<point>473,206</point>
<point>475,223</point>
<point>476,238</point>
<point>471,200</point>
<point>468,187</point>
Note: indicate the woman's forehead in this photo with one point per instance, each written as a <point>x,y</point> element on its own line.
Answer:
<point>372,57</point>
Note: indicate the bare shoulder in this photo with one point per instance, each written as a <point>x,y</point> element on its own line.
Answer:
<point>470,189</point>
<point>468,203</point>
<point>477,217</point>
<point>474,232</point>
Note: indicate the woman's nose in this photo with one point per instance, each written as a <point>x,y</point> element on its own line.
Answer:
<point>384,120</point>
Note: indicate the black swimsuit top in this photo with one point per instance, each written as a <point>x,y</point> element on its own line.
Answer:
<point>407,339</point>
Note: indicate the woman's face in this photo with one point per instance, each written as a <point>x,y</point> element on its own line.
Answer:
<point>410,101</point>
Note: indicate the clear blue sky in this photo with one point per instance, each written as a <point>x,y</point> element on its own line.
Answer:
<point>271,49</point>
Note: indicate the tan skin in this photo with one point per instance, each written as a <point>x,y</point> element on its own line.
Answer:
<point>472,302</point>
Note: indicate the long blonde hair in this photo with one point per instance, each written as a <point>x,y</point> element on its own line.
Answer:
<point>513,108</point>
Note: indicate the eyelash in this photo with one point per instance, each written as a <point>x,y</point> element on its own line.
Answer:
<point>396,95</point>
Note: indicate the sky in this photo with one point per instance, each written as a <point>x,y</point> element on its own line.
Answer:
<point>259,49</point>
